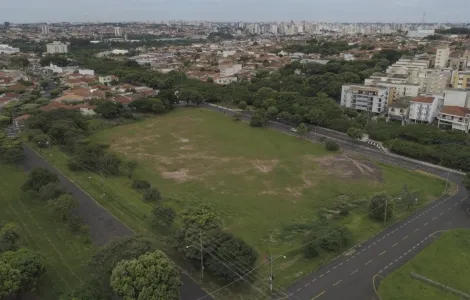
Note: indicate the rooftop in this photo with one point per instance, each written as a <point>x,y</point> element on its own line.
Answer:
<point>455,111</point>
<point>423,99</point>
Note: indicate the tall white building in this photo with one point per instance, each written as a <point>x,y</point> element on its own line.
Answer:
<point>6,49</point>
<point>424,109</point>
<point>442,56</point>
<point>368,98</point>
<point>45,29</point>
<point>56,47</point>
<point>117,31</point>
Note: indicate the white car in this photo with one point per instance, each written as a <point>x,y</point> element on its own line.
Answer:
<point>293,130</point>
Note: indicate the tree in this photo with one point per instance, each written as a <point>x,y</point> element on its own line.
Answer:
<point>296,119</point>
<point>140,184</point>
<point>379,204</point>
<point>242,105</point>
<point>152,194</point>
<point>302,129</point>
<point>150,277</point>
<point>30,265</point>
<point>62,206</point>
<point>271,113</point>
<point>355,133</point>
<point>130,165</point>
<point>54,93</point>
<point>10,280</point>
<point>38,178</point>
<point>163,215</point>
<point>44,84</point>
<point>331,146</point>
<point>50,191</point>
<point>237,117</point>
<point>284,116</point>
<point>257,120</point>
<point>9,235</point>
<point>110,110</point>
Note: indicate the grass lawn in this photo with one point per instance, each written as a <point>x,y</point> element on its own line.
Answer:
<point>446,261</point>
<point>65,253</point>
<point>261,182</point>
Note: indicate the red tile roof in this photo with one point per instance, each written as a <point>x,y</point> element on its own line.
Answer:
<point>423,99</point>
<point>122,99</point>
<point>455,111</point>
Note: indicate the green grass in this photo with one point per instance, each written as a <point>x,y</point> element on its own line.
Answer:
<point>260,181</point>
<point>446,261</point>
<point>65,252</point>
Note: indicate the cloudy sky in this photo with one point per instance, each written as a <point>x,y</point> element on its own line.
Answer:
<point>235,10</point>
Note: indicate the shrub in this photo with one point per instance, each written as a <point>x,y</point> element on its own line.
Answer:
<point>140,184</point>
<point>163,215</point>
<point>311,250</point>
<point>331,146</point>
<point>344,212</point>
<point>152,194</point>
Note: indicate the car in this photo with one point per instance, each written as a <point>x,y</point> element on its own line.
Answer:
<point>293,130</point>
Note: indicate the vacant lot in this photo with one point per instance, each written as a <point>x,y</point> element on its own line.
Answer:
<point>266,186</point>
<point>446,261</point>
<point>65,253</point>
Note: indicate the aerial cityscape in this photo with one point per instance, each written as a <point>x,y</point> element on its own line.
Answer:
<point>150,150</point>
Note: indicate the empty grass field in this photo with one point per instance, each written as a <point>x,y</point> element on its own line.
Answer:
<point>446,261</point>
<point>261,182</point>
<point>65,252</point>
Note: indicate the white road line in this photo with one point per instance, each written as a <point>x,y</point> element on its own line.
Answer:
<point>404,238</point>
<point>299,289</point>
<point>449,208</point>
<point>386,267</point>
<point>314,280</point>
<point>368,262</point>
<point>307,284</point>
<point>400,256</point>
<point>355,271</point>
<point>390,264</point>
<point>337,283</point>
<point>328,271</point>
<point>394,245</point>
<point>416,229</point>
<point>434,218</point>
<point>441,213</point>
<point>382,253</point>
<point>322,275</point>
<point>341,264</point>
<point>380,271</point>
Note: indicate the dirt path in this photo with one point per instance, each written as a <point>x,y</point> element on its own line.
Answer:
<point>104,227</point>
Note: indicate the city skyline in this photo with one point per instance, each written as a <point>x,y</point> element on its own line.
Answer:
<point>436,11</point>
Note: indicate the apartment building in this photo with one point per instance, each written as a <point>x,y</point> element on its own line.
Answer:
<point>368,98</point>
<point>407,64</point>
<point>454,117</point>
<point>457,97</point>
<point>461,79</point>
<point>56,47</point>
<point>442,56</point>
<point>435,81</point>
<point>398,110</point>
<point>424,109</point>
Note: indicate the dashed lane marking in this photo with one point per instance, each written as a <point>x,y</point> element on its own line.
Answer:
<point>434,218</point>
<point>417,229</point>
<point>425,224</point>
<point>307,284</point>
<point>368,262</point>
<point>353,272</point>
<point>298,290</point>
<point>322,275</point>
<point>318,295</point>
<point>314,280</point>
<point>404,238</point>
<point>338,282</point>
<point>394,245</point>
<point>382,253</point>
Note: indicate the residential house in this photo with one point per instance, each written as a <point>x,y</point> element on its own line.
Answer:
<point>368,98</point>
<point>454,117</point>
<point>225,80</point>
<point>106,80</point>
<point>398,110</point>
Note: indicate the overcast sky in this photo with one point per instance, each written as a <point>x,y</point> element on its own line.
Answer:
<point>235,10</point>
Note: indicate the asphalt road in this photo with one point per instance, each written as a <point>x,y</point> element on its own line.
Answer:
<point>104,227</point>
<point>350,276</point>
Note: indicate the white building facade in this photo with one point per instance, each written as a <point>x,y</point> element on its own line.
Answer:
<point>442,56</point>
<point>423,109</point>
<point>56,47</point>
<point>368,98</point>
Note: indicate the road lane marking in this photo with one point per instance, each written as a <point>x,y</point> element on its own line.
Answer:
<point>449,208</point>
<point>318,295</point>
<point>307,284</point>
<point>417,229</point>
<point>400,256</point>
<point>441,213</point>
<point>425,224</point>
<point>404,238</point>
<point>394,245</point>
<point>328,271</point>
<point>334,267</point>
<point>341,264</point>
<point>321,275</point>
<point>355,271</point>
<point>337,283</point>
<point>382,253</point>
<point>434,218</point>
<point>368,262</point>
<point>314,280</point>
<point>299,289</point>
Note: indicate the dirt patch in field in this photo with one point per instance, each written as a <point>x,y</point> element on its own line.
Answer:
<point>265,166</point>
<point>181,175</point>
<point>347,167</point>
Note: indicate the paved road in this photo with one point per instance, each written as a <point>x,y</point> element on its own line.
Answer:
<point>350,275</point>
<point>104,227</point>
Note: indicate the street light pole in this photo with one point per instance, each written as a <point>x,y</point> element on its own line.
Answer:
<point>447,180</point>
<point>271,278</point>
<point>201,249</point>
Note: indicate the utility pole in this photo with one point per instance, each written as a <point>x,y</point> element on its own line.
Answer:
<point>202,255</point>
<point>271,273</point>
<point>385,214</point>
<point>447,180</point>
